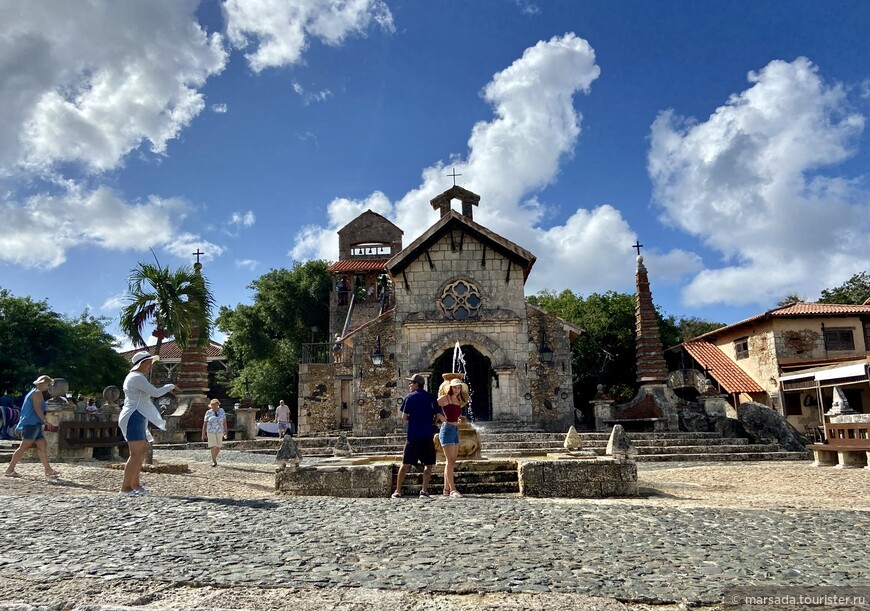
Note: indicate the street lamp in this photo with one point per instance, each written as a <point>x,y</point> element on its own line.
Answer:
<point>545,351</point>
<point>377,354</point>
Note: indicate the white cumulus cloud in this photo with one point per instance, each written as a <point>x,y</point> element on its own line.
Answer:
<point>47,226</point>
<point>280,30</point>
<point>510,159</point>
<point>748,181</point>
<point>243,219</point>
<point>88,82</point>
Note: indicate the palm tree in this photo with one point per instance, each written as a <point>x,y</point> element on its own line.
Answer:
<point>174,301</point>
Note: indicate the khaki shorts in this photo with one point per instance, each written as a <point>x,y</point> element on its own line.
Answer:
<point>215,440</point>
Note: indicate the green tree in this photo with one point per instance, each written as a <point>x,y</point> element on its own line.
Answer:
<point>606,352</point>
<point>264,339</point>
<point>174,301</point>
<point>856,290</point>
<point>35,340</point>
<point>789,299</point>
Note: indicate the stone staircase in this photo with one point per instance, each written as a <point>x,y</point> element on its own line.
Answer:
<point>477,477</point>
<point>651,447</point>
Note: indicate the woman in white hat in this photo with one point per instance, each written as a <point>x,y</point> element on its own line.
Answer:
<point>452,401</point>
<point>133,421</point>
<point>214,428</point>
<point>31,424</point>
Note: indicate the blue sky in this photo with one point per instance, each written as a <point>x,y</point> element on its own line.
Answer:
<point>729,138</point>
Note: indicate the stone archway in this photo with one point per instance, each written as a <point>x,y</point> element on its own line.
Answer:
<point>478,376</point>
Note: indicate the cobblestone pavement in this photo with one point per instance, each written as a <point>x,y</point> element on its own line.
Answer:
<point>376,553</point>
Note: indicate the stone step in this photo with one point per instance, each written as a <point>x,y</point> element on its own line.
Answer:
<point>725,457</point>
<point>475,477</point>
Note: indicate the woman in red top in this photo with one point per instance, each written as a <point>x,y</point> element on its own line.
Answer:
<point>452,403</point>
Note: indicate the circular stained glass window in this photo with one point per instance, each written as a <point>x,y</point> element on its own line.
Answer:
<point>460,300</point>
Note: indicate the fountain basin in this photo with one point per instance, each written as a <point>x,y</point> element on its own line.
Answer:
<point>469,442</point>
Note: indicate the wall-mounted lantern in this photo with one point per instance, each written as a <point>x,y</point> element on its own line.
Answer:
<point>545,351</point>
<point>377,354</point>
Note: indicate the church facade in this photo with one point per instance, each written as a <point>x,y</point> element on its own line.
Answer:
<point>452,300</point>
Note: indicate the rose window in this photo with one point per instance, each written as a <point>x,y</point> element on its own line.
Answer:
<point>460,300</point>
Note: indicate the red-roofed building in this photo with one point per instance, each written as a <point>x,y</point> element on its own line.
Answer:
<point>789,357</point>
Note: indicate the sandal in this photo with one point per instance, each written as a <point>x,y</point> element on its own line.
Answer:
<point>12,474</point>
<point>53,474</point>
<point>455,495</point>
<point>396,495</point>
<point>446,492</point>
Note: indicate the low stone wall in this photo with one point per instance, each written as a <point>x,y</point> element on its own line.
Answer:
<point>586,478</point>
<point>357,481</point>
<point>578,479</point>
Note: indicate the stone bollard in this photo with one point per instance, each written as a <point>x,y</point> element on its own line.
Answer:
<point>573,441</point>
<point>342,446</point>
<point>619,446</point>
<point>289,456</point>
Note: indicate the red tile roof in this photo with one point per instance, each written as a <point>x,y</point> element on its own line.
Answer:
<point>361,265</point>
<point>170,350</point>
<point>726,371</point>
<point>799,309</point>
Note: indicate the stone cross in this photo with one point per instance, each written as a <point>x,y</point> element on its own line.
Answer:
<point>454,175</point>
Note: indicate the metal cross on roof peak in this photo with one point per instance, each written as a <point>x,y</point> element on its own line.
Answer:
<point>454,175</point>
<point>638,246</point>
<point>198,254</point>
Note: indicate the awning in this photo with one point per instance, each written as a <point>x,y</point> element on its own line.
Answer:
<point>835,372</point>
<point>845,371</point>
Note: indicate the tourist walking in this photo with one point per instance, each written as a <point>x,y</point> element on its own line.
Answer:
<point>214,429</point>
<point>451,403</point>
<point>419,410</point>
<point>282,417</point>
<point>137,412</point>
<point>32,424</point>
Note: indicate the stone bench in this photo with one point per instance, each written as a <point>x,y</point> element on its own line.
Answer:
<point>78,439</point>
<point>846,446</point>
<point>639,424</point>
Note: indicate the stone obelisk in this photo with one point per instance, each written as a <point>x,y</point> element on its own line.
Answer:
<point>193,378</point>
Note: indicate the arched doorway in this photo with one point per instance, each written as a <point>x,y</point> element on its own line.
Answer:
<point>478,376</point>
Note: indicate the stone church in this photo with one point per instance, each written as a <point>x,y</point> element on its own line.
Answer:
<point>396,312</point>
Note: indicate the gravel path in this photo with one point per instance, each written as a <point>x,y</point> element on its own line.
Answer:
<point>220,538</point>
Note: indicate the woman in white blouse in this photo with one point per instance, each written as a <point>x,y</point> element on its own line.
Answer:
<point>133,421</point>
<point>214,428</point>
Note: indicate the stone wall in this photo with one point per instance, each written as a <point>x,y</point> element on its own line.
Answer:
<point>550,385</point>
<point>376,389</point>
<point>369,227</point>
<point>318,405</point>
<point>358,481</point>
<point>425,283</point>
<point>578,479</point>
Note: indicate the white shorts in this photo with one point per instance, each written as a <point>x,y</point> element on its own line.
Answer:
<point>215,440</point>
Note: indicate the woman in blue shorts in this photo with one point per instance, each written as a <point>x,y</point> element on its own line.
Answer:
<point>31,425</point>
<point>133,421</point>
<point>452,403</point>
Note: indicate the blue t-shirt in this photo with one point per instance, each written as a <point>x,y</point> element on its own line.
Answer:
<point>421,409</point>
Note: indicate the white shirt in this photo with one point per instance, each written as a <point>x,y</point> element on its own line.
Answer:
<point>137,398</point>
<point>282,414</point>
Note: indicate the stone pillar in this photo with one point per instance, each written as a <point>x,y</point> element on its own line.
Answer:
<point>603,409</point>
<point>58,410</point>
<point>715,405</point>
<point>246,422</point>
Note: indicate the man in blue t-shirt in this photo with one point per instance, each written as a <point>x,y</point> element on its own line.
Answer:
<point>419,410</point>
